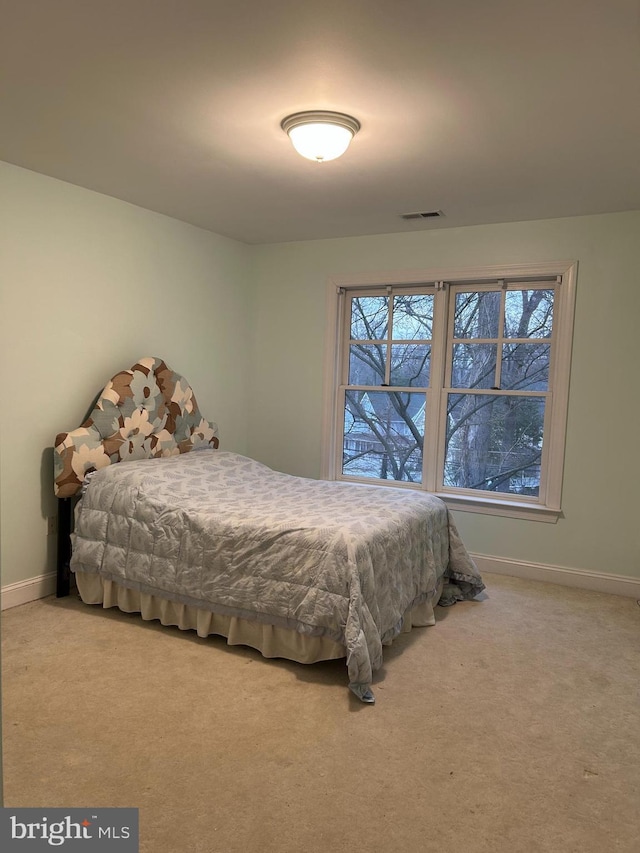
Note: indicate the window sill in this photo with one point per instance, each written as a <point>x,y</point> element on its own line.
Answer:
<point>471,503</point>
<point>505,508</point>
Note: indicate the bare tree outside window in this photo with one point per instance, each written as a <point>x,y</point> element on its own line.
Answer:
<point>494,442</point>
<point>390,348</point>
<point>498,364</point>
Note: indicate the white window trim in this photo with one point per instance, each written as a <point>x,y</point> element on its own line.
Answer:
<point>563,322</point>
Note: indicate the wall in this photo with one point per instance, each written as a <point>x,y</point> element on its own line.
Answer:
<point>599,531</point>
<point>88,285</point>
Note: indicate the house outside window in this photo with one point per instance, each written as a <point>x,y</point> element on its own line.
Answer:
<point>455,382</point>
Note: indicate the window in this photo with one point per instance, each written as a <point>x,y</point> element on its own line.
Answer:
<point>457,384</point>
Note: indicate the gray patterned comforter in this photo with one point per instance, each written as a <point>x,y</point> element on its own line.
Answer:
<point>223,532</point>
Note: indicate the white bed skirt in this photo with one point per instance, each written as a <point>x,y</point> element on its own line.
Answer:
<point>270,640</point>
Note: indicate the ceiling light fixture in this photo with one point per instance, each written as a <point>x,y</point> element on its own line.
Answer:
<point>319,135</point>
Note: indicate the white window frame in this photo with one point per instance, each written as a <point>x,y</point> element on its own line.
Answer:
<point>547,507</point>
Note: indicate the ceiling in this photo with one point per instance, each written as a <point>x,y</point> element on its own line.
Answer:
<point>491,111</point>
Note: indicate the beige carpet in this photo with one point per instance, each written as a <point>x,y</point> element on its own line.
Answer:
<point>512,725</point>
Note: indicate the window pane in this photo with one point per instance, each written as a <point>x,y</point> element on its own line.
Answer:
<point>494,443</point>
<point>473,365</point>
<point>410,365</point>
<point>525,367</point>
<point>528,313</point>
<point>369,318</point>
<point>367,364</point>
<point>412,317</point>
<point>477,314</point>
<point>384,435</point>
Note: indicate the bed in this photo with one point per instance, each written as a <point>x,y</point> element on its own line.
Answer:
<point>210,540</point>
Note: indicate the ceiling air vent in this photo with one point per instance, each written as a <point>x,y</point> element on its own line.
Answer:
<point>429,214</point>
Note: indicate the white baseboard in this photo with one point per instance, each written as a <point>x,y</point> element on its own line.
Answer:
<point>30,590</point>
<point>41,586</point>
<point>597,581</point>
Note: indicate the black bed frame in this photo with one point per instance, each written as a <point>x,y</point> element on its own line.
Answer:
<point>65,526</point>
<point>63,579</point>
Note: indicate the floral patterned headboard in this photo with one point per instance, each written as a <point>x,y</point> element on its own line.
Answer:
<point>143,412</point>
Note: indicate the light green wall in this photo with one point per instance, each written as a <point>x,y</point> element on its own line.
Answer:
<point>600,530</point>
<point>88,285</point>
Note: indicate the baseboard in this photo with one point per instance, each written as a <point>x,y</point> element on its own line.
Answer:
<point>22,592</point>
<point>596,581</point>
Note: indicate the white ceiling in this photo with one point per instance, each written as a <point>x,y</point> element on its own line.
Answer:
<point>491,110</point>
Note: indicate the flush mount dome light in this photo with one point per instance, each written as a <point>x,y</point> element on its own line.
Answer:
<point>320,136</point>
